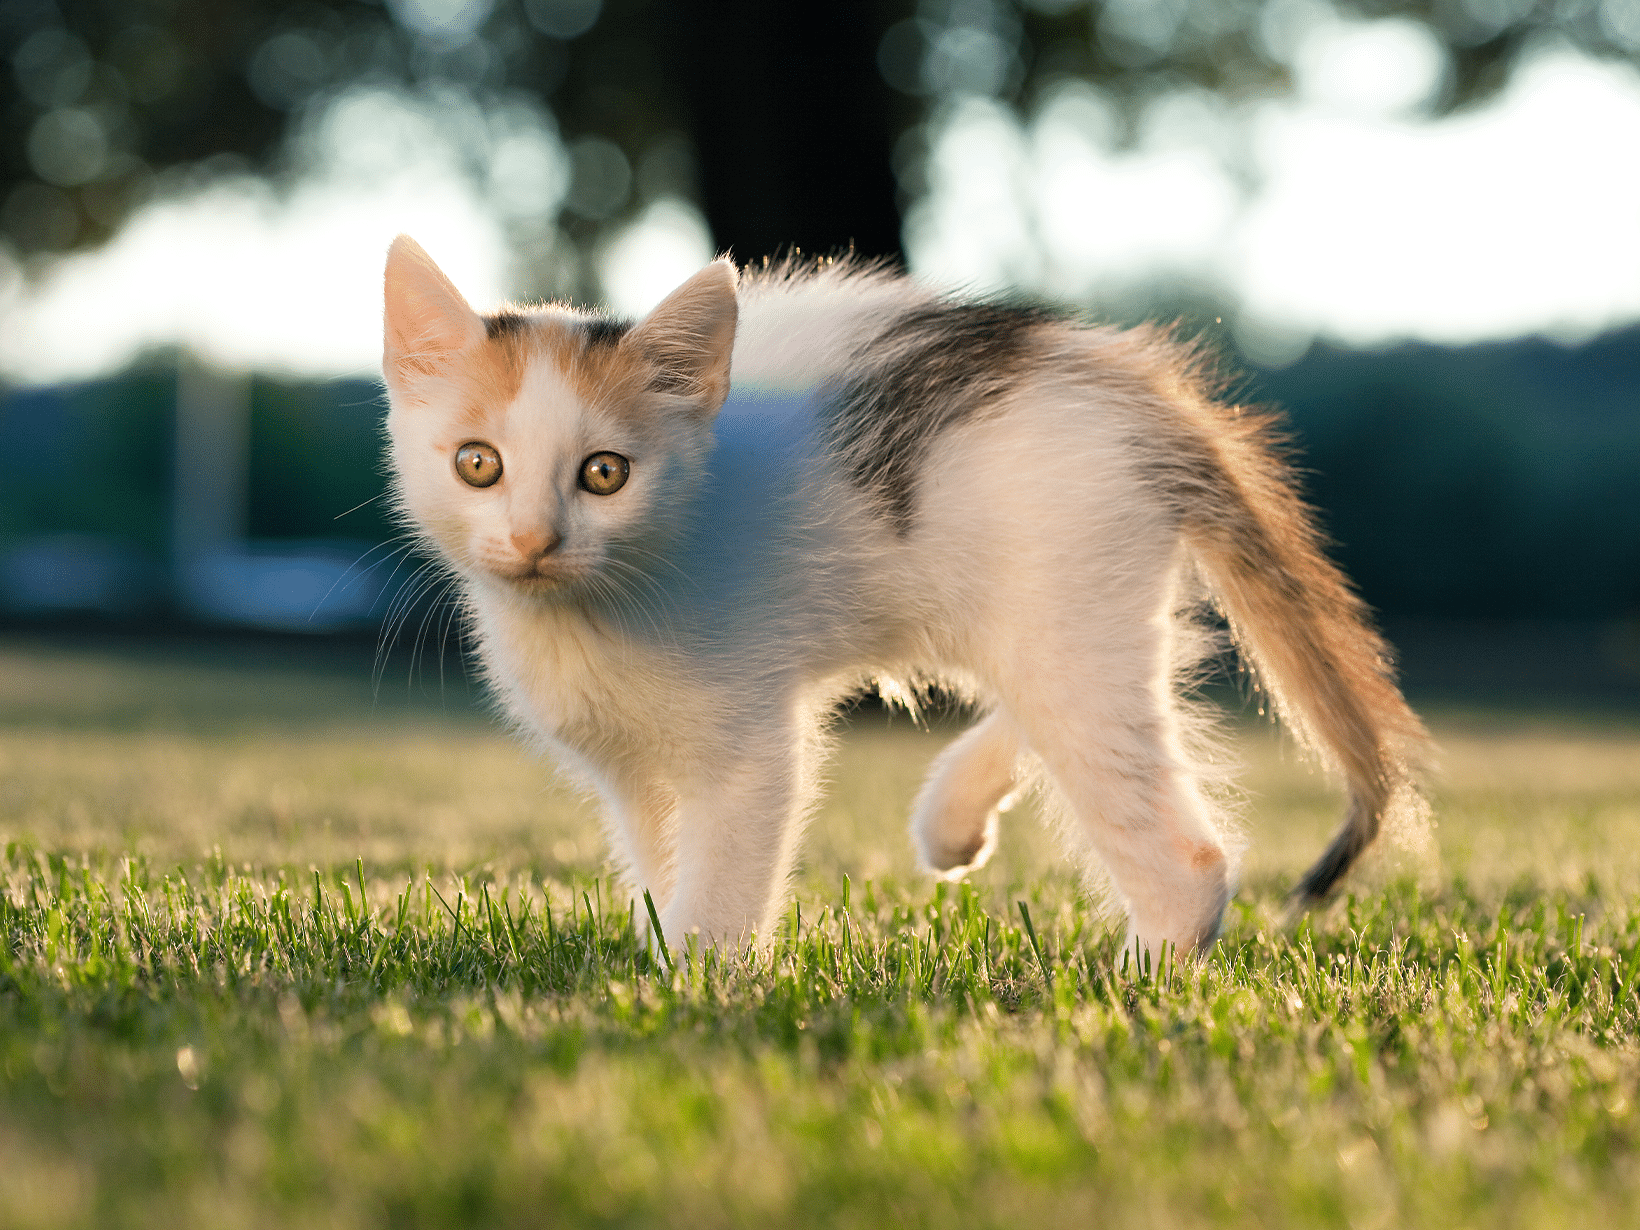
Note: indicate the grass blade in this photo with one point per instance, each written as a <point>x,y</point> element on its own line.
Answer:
<point>1047,974</point>
<point>655,922</point>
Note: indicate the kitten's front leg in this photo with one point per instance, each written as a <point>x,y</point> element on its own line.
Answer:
<point>737,833</point>
<point>640,820</point>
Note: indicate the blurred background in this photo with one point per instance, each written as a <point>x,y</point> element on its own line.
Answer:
<point>1415,226</point>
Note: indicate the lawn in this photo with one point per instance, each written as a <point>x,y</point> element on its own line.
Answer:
<point>277,952</point>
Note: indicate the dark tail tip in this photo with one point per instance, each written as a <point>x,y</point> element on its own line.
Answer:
<point>1359,829</point>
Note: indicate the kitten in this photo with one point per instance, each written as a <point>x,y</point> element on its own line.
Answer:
<point>681,542</point>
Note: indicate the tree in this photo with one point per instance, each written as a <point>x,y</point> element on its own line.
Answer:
<point>786,111</point>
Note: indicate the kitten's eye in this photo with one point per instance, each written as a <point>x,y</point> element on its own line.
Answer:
<point>605,473</point>
<point>478,464</point>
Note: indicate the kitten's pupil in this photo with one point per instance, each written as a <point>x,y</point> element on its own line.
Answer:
<point>478,463</point>
<point>605,473</point>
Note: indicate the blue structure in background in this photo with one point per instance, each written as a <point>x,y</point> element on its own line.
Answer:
<point>176,491</point>
<point>1490,482</point>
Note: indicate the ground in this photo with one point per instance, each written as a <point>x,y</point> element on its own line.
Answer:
<point>275,950</point>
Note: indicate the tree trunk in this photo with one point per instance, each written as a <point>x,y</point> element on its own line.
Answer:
<point>793,124</point>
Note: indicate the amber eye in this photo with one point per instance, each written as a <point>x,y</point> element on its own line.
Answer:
<point>605,473</point>
<point>478,464</point>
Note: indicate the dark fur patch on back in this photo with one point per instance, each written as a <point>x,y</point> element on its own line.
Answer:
<point>505,324</point>
<point>927,371</point>
<point>606,330</point>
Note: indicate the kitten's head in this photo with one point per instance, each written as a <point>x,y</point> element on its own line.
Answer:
<point>539,448</point>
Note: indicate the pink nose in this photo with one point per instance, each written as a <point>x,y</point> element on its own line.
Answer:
<point>536,544</point>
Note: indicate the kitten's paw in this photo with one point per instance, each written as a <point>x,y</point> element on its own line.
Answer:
<point>954,822</point>
<point>952,844</point>
<point>697,928</point>
<point>1187,927</point>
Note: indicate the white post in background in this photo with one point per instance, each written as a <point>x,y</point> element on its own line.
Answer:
<point>221,575</point>
<point>210,467</point>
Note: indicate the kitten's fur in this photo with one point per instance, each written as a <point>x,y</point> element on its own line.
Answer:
<point>899,487</point>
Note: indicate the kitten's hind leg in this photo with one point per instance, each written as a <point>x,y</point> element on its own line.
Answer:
<point>954,820</point>
<point>1107,732</point>
<point>1138,807</point>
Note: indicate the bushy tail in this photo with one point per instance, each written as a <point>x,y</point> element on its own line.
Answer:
<point>1293,614</point>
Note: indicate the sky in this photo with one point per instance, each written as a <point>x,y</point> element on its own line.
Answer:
<point>1368,223</point>
<point>1341,211</point>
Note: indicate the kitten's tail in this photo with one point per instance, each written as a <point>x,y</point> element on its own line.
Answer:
<point>1294,615</point>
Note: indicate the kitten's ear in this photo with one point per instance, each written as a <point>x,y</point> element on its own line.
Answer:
<point>690,336</point>
<point>427,321</point>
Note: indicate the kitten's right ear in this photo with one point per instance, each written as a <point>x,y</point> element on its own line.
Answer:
<point>427,321</point>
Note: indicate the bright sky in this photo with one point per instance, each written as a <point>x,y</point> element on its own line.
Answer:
<point>1366,222</point>
<point>251,278</point>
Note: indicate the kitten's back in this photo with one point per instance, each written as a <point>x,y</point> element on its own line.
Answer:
<point>803,323</point>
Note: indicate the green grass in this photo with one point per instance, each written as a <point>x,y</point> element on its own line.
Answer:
<point>275,954</point>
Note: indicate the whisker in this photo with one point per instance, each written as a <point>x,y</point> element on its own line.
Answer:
<point>405,555</point>
<point>406,591</point>
<point>650,601</point>
<point>614,604</point>
<point>433,608</point>
<point>350,577</point>
<point>451,611</point>
<point>358,506</point>
<point>426,587</point>
<point>630,548</point>
<point>398,613</point>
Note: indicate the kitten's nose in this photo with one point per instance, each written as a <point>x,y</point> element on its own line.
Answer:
<point>535,544</point>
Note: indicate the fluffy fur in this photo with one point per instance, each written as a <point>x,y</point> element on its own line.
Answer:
<point>836,478</point>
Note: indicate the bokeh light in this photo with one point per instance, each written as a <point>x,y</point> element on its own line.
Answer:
<point>251,277</point>
<point>668,242</point>
<point>1342,210</point>
<point>1357,206</point>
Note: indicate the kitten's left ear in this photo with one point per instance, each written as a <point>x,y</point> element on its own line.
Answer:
<point>690,336</point>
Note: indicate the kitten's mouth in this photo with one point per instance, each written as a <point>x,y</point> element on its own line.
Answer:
<point>537,576</point>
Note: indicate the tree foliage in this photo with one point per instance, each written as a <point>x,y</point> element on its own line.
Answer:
<point>781,120</point>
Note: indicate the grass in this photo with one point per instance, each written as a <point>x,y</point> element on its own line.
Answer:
<point>274,953</point>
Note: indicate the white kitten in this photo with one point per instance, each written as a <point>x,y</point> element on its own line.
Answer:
<point>681,542</point>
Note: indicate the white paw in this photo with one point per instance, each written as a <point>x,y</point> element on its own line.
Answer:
<point>953,849</point>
